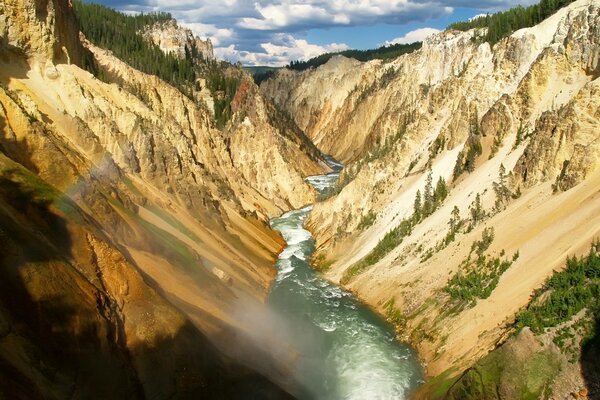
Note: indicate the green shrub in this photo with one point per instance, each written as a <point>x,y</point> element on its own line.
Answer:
<point>367,220</point>
<point>566,293</point>
<point>477,279</point>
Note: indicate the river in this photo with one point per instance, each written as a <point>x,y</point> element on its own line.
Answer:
<point>346,350</point>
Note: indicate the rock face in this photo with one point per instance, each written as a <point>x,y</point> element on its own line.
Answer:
<point>136,231</point>
<point>172,39</point>
<point>522,118</point>
<point>43,29</point>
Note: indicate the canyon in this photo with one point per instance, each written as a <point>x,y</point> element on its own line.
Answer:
<point>137,217</point>
<point>511,130</point>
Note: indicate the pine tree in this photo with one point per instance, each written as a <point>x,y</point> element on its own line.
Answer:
<point>477,213</point>
<point>454,220</point>
<point>502,191</point>
<point>417,207</point>
<point>458,167</point>
<point>441,191</point>
<point>428,203</point>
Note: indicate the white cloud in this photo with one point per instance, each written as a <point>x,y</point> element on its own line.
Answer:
<point>418,35</point>
<point>278,54</point>
<point>253,26</point>
<point>215,34</point>
<point>297,15</point>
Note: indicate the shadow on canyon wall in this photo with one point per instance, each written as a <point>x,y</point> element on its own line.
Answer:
<point>61,333</point>
<point>590,363</point>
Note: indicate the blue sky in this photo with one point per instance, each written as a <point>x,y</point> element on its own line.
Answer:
<point>274,32</point>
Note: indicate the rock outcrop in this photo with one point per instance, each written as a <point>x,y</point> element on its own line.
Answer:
<point>173,39</point>
<point>43,29</point>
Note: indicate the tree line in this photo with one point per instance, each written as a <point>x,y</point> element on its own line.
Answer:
<point>381,53</point>
<point>424,205</point>
<point>121,34</point>
<point>502,24</point>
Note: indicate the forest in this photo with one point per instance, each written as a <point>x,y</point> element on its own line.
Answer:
<point>381,53</point>
<point>502,24</point>
<point>120,33</point>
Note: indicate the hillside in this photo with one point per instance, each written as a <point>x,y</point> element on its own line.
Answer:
<point>472,173</point>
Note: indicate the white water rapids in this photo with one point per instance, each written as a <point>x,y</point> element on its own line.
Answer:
<point>352,352</point>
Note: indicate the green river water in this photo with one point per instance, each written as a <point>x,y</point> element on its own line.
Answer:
<point>346,351</point>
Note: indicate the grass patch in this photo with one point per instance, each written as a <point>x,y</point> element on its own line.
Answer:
<point>394,315</point>
<point>321,264</point>
<point>389,242</point>
<point>499,371</point>
<point>437,387</point>
<point>170,219</point>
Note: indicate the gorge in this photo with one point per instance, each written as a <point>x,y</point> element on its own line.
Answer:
<point>345,351</point>
<point>169,229</point>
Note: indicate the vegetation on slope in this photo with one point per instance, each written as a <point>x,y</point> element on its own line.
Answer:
<point>506,374</point>
<point>478,277</point>
<point>121,34</point>
<point>381,53</point>
<point>565,294</point>
<point>223,89</point>
<point>424,206</point>
<point>566,310</point>
<point>465,161</point>
<point>261,73</point>
<point>502,24</point>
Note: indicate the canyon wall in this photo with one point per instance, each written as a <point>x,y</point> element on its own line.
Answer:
<point>512,130</point>
<point>136,231</point>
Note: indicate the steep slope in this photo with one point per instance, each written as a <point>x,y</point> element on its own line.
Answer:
<point>78,320</point>
<point>164,230</point>
<point>511,131</point>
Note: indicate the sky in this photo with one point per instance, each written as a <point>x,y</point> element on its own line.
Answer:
<point>275,32</point>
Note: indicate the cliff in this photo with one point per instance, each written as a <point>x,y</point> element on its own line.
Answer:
<point>136,230</point>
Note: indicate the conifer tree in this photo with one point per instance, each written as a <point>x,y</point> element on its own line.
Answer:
<point>428,203</point>
<point>454,220</point>
<point>477,213</point>
<point>417,207</point>
<point>441,191</point>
